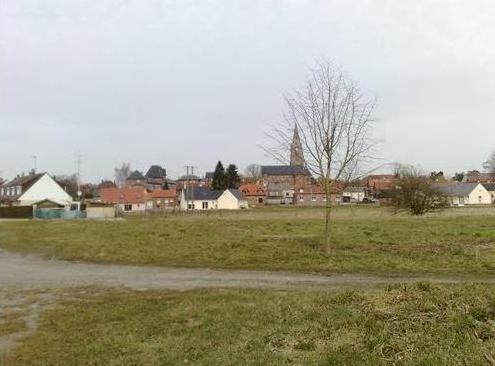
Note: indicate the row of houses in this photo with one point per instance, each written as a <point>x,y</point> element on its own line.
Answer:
<point>290,184</point>
<point>136,199</point>
<point>278,185</point>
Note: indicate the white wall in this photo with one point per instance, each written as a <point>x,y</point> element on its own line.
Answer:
<point>479,196</point>
<point>198,204</point>
<point>44,188</point>
<point>227,201</point>
<point>100,212</point>
<point>355,196</point>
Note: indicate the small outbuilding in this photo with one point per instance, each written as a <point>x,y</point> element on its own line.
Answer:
<point>100,210</point>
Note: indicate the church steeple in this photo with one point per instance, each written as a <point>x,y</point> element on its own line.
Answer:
<point>296,150</point>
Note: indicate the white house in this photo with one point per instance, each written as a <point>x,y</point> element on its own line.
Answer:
<point>204,198</point>
<point>462,194</point>
<point>30,189</point>
<point>354,194</point>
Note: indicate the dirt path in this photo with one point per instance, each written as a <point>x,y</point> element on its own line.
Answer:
<point>20,275</point>
<point>35,272</point>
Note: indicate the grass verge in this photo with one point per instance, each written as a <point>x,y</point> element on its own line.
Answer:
<point>418,324</point>
<point>363,240</point>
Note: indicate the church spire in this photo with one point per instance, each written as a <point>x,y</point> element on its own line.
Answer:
<point>296,150</point>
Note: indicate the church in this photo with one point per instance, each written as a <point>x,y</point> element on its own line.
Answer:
<point>282,181</point>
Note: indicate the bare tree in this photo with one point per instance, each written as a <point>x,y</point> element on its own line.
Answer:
<point>334,119</point>
<point>489,165</point>
<point>416,192</point>
<point>68,183</point>
<point>253,171</point>
<point>122,173</point>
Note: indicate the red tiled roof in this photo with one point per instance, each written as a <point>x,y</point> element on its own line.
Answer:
<point>163,193</point>
<point>473,177</point>
<point>252,189</point>
<point>123,195</point>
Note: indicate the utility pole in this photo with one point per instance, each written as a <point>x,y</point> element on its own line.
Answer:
<point>189,193</point>
<point>35,161</point>
<point>78,157</point>
<point>192,191</point>
<point>186,195</point>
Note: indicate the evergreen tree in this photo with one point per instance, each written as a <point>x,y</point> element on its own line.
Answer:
<point>459,177</point>
<point>233,180</point>
<point>219,177</point>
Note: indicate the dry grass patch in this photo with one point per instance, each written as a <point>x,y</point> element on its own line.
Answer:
<point>417,324</point>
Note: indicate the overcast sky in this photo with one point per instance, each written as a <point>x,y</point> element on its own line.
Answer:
<point>191,82</point>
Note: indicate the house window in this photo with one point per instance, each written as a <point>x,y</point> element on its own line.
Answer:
<point>127,207</point>
<point>190,206</point>
<point>301,198</point>
<point>480,199</point>
<point>205,205</point>
<point>260,200</point>
<point>313,198</point>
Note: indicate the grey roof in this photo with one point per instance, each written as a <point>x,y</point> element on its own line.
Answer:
<point>205,193</point>
<point>238,194</point>
<point>457,189</point>
<point>284,170</point>
<point>25,180</point>
<point>136,175</point>
<point>156,172</point>
<point>489,186</point>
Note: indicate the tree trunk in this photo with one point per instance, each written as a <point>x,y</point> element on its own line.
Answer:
<point>328,211</point>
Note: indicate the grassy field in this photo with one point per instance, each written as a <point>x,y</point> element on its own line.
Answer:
<point>363,240</point>
<point>417,324</point>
